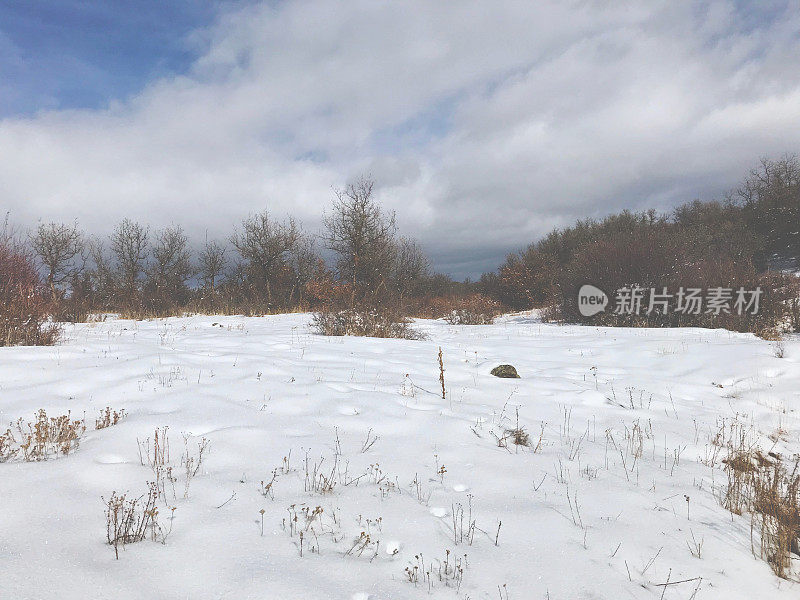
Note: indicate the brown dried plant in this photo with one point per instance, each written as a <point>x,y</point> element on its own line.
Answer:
<point>130,521</point>
<point>43,438</point>
<point>109,417</point>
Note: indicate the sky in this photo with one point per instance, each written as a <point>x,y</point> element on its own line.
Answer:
<point>484,124</point>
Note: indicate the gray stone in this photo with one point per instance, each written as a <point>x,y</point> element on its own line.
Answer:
<point>505,371</point>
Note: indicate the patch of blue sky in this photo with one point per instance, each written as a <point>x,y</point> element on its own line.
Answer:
<point>73,54</point>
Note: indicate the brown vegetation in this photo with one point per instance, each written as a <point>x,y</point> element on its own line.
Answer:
<point>378,278</point>
<point>24,303</point>
<point>738,243</point>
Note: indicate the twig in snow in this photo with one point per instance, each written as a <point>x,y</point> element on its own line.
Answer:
<point>652,560</point>
<point>228,500</point>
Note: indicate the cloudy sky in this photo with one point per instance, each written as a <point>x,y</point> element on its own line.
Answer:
<point>484,124</point>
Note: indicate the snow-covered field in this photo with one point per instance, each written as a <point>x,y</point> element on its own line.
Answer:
<point>598,510</point>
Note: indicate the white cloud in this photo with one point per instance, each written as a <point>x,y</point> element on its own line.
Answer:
<point>485,124</point>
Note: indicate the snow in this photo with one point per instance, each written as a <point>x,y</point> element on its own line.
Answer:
<point>577,521</point>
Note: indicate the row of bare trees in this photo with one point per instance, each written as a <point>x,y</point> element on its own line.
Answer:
<point>266,265</point>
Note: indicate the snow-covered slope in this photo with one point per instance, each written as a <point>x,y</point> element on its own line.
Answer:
<point>598,510</point>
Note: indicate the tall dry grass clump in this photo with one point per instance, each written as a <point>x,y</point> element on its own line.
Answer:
<point>475,309</point>
<point>131,520</point>
<point>365,322</point>
<point>764,487</point>
<point>776,515</point>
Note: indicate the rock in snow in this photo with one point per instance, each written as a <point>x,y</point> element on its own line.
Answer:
<point>505,371</point>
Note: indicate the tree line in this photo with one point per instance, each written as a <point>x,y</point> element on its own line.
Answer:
<point>265,265</point>
<point>745,239</point>
<point>378,278</point>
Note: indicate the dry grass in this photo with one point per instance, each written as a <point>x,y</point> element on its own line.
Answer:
<point>448,570</point>
<point>155,453</point>
<point>776,514</point>
<point>192,462</point>
<point>8,449</point>
<point>475,309</point>
<point>518,436</point>
<point>109,417</point>
<point>46,437</point>
<point>377,323</point>
<point>130,521</point>
<point>43,438</point>
<point>318,479</point>
<point>763,486</point>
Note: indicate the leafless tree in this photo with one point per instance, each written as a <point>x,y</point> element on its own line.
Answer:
<point>6,232</point>
<point>170,268</point>
<point>771,199</point>
<point>304,265</point>
<point>10,235</point>
<point>60,250</point>
<point>265,246</point>
<point>102,274</point>
<point>129,249</point>
<point>362,235</point>
<point>411,267</point>
<point>211,265</point>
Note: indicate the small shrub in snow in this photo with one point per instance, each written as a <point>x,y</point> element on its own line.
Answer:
<point>156,455</point>
<point>8,449</point>
<point>770,491</point>
<point>192,463</point>
<point>476,309</point>
<point>441,374</point>
<point>108,418</point>
<point>776,514</point>
<point>24,303</point>
<point>317,479</point>
<point>41,439</point>
<point>130,521</point>
<point>448,571</point>
<point>47,437</point>
<point>517,436</point>
<point>378,323</point>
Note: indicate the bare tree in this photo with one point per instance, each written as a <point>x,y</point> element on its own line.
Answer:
<point>170,268</point>
<point>771,199</point>
<point>265,246</point>
<point>411,267</point>
<point>211,265</point>
<point>7,231</point>
<point>363,237</point>
<point>304,265</point>
<point>60,249</point>
<point>129,248</point>
<point>102,276</point>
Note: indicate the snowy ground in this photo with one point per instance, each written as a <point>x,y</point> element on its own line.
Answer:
<point>582,517</point>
